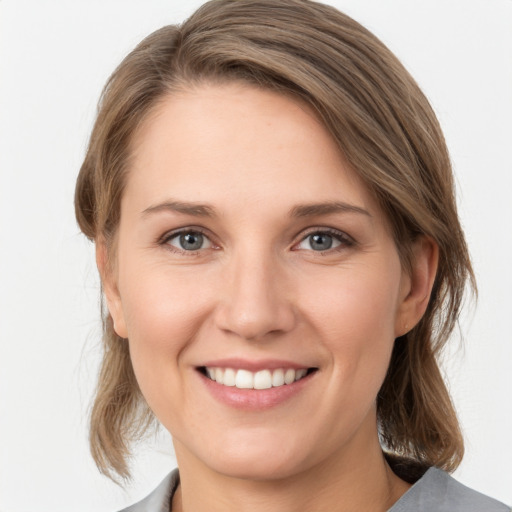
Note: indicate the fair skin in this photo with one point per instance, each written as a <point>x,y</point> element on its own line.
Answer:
<point>246,242</point>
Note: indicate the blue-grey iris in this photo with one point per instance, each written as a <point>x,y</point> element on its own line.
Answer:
<point>320,241</point>
<point>191,241</point>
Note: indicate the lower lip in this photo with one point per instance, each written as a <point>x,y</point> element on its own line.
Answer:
<point>255,399</point>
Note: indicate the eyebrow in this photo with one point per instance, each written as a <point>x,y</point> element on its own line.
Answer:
<point>194,209</point>
<point>304,210</point>
<point>311,210</point>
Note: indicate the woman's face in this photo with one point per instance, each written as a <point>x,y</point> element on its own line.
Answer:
<point>251,256</point>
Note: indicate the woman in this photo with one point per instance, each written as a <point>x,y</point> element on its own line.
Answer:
<point>273,210</point>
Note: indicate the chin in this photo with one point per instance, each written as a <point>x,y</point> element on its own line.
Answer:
<point>245,453</point>
<point>258,461</point>
<point>256,468</point>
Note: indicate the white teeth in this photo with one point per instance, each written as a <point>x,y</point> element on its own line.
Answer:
<point>229,377</point>
<point>263,379</point>
<point>277,378</point>
<point>300,373</point>
<point>244,379</point>
<point>289,376</point>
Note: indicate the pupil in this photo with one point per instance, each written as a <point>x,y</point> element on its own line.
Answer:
<point>321,242</point>
<point>191,241</point>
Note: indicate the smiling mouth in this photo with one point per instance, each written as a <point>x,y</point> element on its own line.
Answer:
<point>263,379</point>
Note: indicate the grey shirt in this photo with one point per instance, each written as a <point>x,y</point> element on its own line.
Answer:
<point>435,491</point>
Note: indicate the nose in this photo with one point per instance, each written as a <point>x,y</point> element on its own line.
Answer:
<point>254,301</point>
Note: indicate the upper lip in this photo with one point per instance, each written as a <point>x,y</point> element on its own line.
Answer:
<point>254,365</point>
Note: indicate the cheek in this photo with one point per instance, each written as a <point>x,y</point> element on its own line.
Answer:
<point>163,312</point>
<point>362,303</point>
<point>355,316</point>
<point>161,305</point>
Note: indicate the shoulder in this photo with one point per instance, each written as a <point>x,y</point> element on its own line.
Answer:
<point>160,499</point>
<point>437,491</point>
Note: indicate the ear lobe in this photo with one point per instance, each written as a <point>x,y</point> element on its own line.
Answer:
<point>418,284</point>
<point>110,289</point>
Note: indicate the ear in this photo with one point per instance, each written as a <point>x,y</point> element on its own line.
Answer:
<point>109,284</point>
<point>417,285</point>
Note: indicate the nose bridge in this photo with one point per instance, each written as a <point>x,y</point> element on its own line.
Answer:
<point>254,299</point>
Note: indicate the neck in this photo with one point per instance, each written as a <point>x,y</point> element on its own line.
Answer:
<point>358,479</point>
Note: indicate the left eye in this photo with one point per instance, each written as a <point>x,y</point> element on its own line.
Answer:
<point>189,241</point>
<point>320,241</point>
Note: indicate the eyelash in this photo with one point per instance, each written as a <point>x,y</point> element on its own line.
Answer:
<point>165,239</point>
<point>345,240</point>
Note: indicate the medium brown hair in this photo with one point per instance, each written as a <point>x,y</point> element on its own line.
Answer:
<point>387,131</point>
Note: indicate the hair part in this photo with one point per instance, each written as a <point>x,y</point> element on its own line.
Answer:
<point>389,134</point>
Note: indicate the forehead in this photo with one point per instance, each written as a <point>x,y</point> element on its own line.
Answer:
<point>238,145</point>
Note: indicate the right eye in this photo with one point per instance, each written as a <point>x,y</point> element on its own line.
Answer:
<point>189,241</point>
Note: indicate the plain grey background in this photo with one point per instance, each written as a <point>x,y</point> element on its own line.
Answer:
<point>54,59</point>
